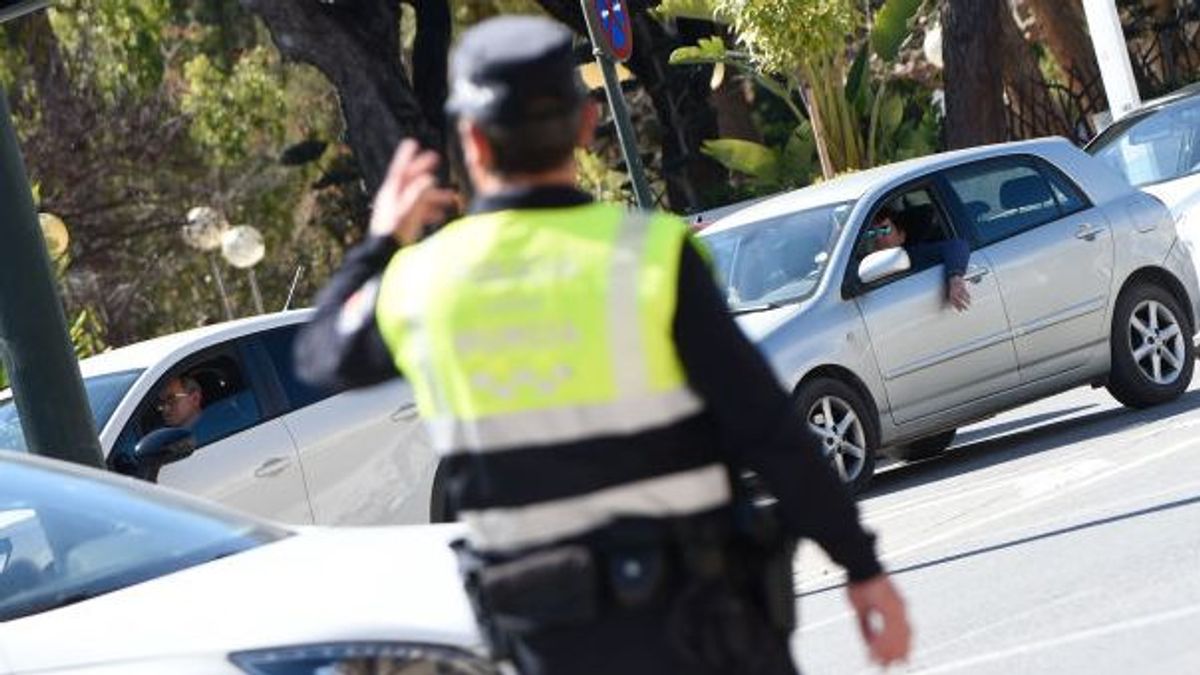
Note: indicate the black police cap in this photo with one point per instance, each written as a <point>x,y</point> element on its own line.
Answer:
<point>512,69</point>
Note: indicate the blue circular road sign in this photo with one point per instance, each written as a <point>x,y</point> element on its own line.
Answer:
<point>615,29</point>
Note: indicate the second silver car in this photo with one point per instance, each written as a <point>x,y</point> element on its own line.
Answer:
<point>1076,278</point>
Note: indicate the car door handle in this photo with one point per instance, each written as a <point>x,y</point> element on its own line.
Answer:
<point>406,413</point>
<point>1088,233</point>
<point>272,467</point>
<point>975,275</point>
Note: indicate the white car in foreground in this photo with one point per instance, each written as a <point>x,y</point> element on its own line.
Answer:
<point>266,443</point>
<point>101,574</point>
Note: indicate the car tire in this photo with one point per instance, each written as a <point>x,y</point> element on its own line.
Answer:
<point>923,448</point>
<point>841,424</point>
<point>1152,351</point>
<point>440,510</point>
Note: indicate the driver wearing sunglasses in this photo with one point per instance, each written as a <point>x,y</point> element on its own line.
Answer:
<point>887,231</point>
<point>181,401</point>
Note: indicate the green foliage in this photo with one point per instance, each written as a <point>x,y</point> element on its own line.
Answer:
<point>771,169</point>
<point>892,27</point>
<point>115,43</point>
<point>795,46</point>
<point>234,111</point>
<point>783,35</point>
<point>707,50</point>
<point>603,183</point>
<point>700,10</point>
<point>748,157</point>
<point>171,104</point>
<point>470,12</point>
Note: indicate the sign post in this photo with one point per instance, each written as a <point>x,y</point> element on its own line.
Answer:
<point>611,34</point>
<point>38,357</point>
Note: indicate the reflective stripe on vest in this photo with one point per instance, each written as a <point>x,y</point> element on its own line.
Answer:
<point>679,494</point>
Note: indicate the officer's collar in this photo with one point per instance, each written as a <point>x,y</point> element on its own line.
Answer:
<point>540,197</point>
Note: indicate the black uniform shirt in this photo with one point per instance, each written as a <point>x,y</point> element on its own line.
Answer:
<point>761,430</point>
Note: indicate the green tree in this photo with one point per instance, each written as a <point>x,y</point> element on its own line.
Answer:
<point>820,59</point>
<point>133,111</point>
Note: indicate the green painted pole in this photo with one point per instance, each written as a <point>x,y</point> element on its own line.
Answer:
<point>620,113</point>
<point>34,341</point>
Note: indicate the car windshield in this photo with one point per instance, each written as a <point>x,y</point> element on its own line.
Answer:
<point>68,534</point>
<point>776,261</point>
<point>1161,145</point>
<point>104,393</point>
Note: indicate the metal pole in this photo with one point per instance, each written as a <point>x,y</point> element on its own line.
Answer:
<point>37,351</point>
<point>216,270</point>
<point>620,113</point>
<point>1104,24</point>
<point>258,304</point>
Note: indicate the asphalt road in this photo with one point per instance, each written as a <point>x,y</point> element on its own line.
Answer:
<point>1062,537</point>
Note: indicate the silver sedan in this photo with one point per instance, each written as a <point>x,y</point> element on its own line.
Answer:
<point>1074,277</point>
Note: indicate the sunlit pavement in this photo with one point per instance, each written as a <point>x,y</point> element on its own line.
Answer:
<point>1063,537</point>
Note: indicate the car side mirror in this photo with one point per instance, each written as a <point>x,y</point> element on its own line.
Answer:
<point>883,264</point>
<point>156,449</point>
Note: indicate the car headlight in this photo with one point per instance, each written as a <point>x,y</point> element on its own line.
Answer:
<point>365,658</point>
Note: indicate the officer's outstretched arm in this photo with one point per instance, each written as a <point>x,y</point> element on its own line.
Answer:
<point>341,348</point>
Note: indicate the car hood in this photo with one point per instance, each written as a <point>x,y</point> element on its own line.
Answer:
<point>758,325</point>
<point>322,585</point>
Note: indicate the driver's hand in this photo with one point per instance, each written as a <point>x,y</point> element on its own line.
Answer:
<point>957,294</point>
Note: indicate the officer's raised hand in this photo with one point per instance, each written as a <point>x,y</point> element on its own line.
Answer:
<point>882,619</point>
<point>410,198</point>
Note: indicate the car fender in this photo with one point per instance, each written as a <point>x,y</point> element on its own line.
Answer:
<point>810,338</point>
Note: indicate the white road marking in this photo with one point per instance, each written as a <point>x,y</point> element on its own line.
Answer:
<point>1078,636</point>
<point>1026,504</point>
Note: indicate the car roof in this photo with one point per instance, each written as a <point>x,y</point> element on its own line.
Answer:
<point>852,187</point>
<point>142,355</point>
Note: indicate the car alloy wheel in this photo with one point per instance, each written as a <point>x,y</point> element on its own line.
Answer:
<point>1156,341</point>
<point>843,439</point>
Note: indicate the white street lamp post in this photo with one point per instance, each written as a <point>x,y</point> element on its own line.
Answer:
<point>203,231</point>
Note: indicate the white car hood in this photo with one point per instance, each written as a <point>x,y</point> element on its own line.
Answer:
<point>1182,197</point>
<point>322,585</point>
<point>1179,195</point>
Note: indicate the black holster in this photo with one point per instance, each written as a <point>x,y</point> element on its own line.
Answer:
<point>550,588</point>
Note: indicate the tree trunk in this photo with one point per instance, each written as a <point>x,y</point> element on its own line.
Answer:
<point>974,74</point>
<point>1062,27</point>
<point>357,46</point>
<point>680,96</point>
<point>731,104</point>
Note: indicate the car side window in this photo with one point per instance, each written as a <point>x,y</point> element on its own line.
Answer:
<point>1070,198</point>
<point>1003,199</point>
<point>279,343</point>
<point>918,214</point>
<point>211,396</point>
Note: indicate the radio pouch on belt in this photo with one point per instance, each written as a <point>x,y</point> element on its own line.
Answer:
<point>551,588</point>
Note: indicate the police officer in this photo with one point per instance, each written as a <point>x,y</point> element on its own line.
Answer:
<point>589,393</point>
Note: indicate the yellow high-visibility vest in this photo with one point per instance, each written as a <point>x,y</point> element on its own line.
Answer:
<point>524,329</point>
<point>531,326</point>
